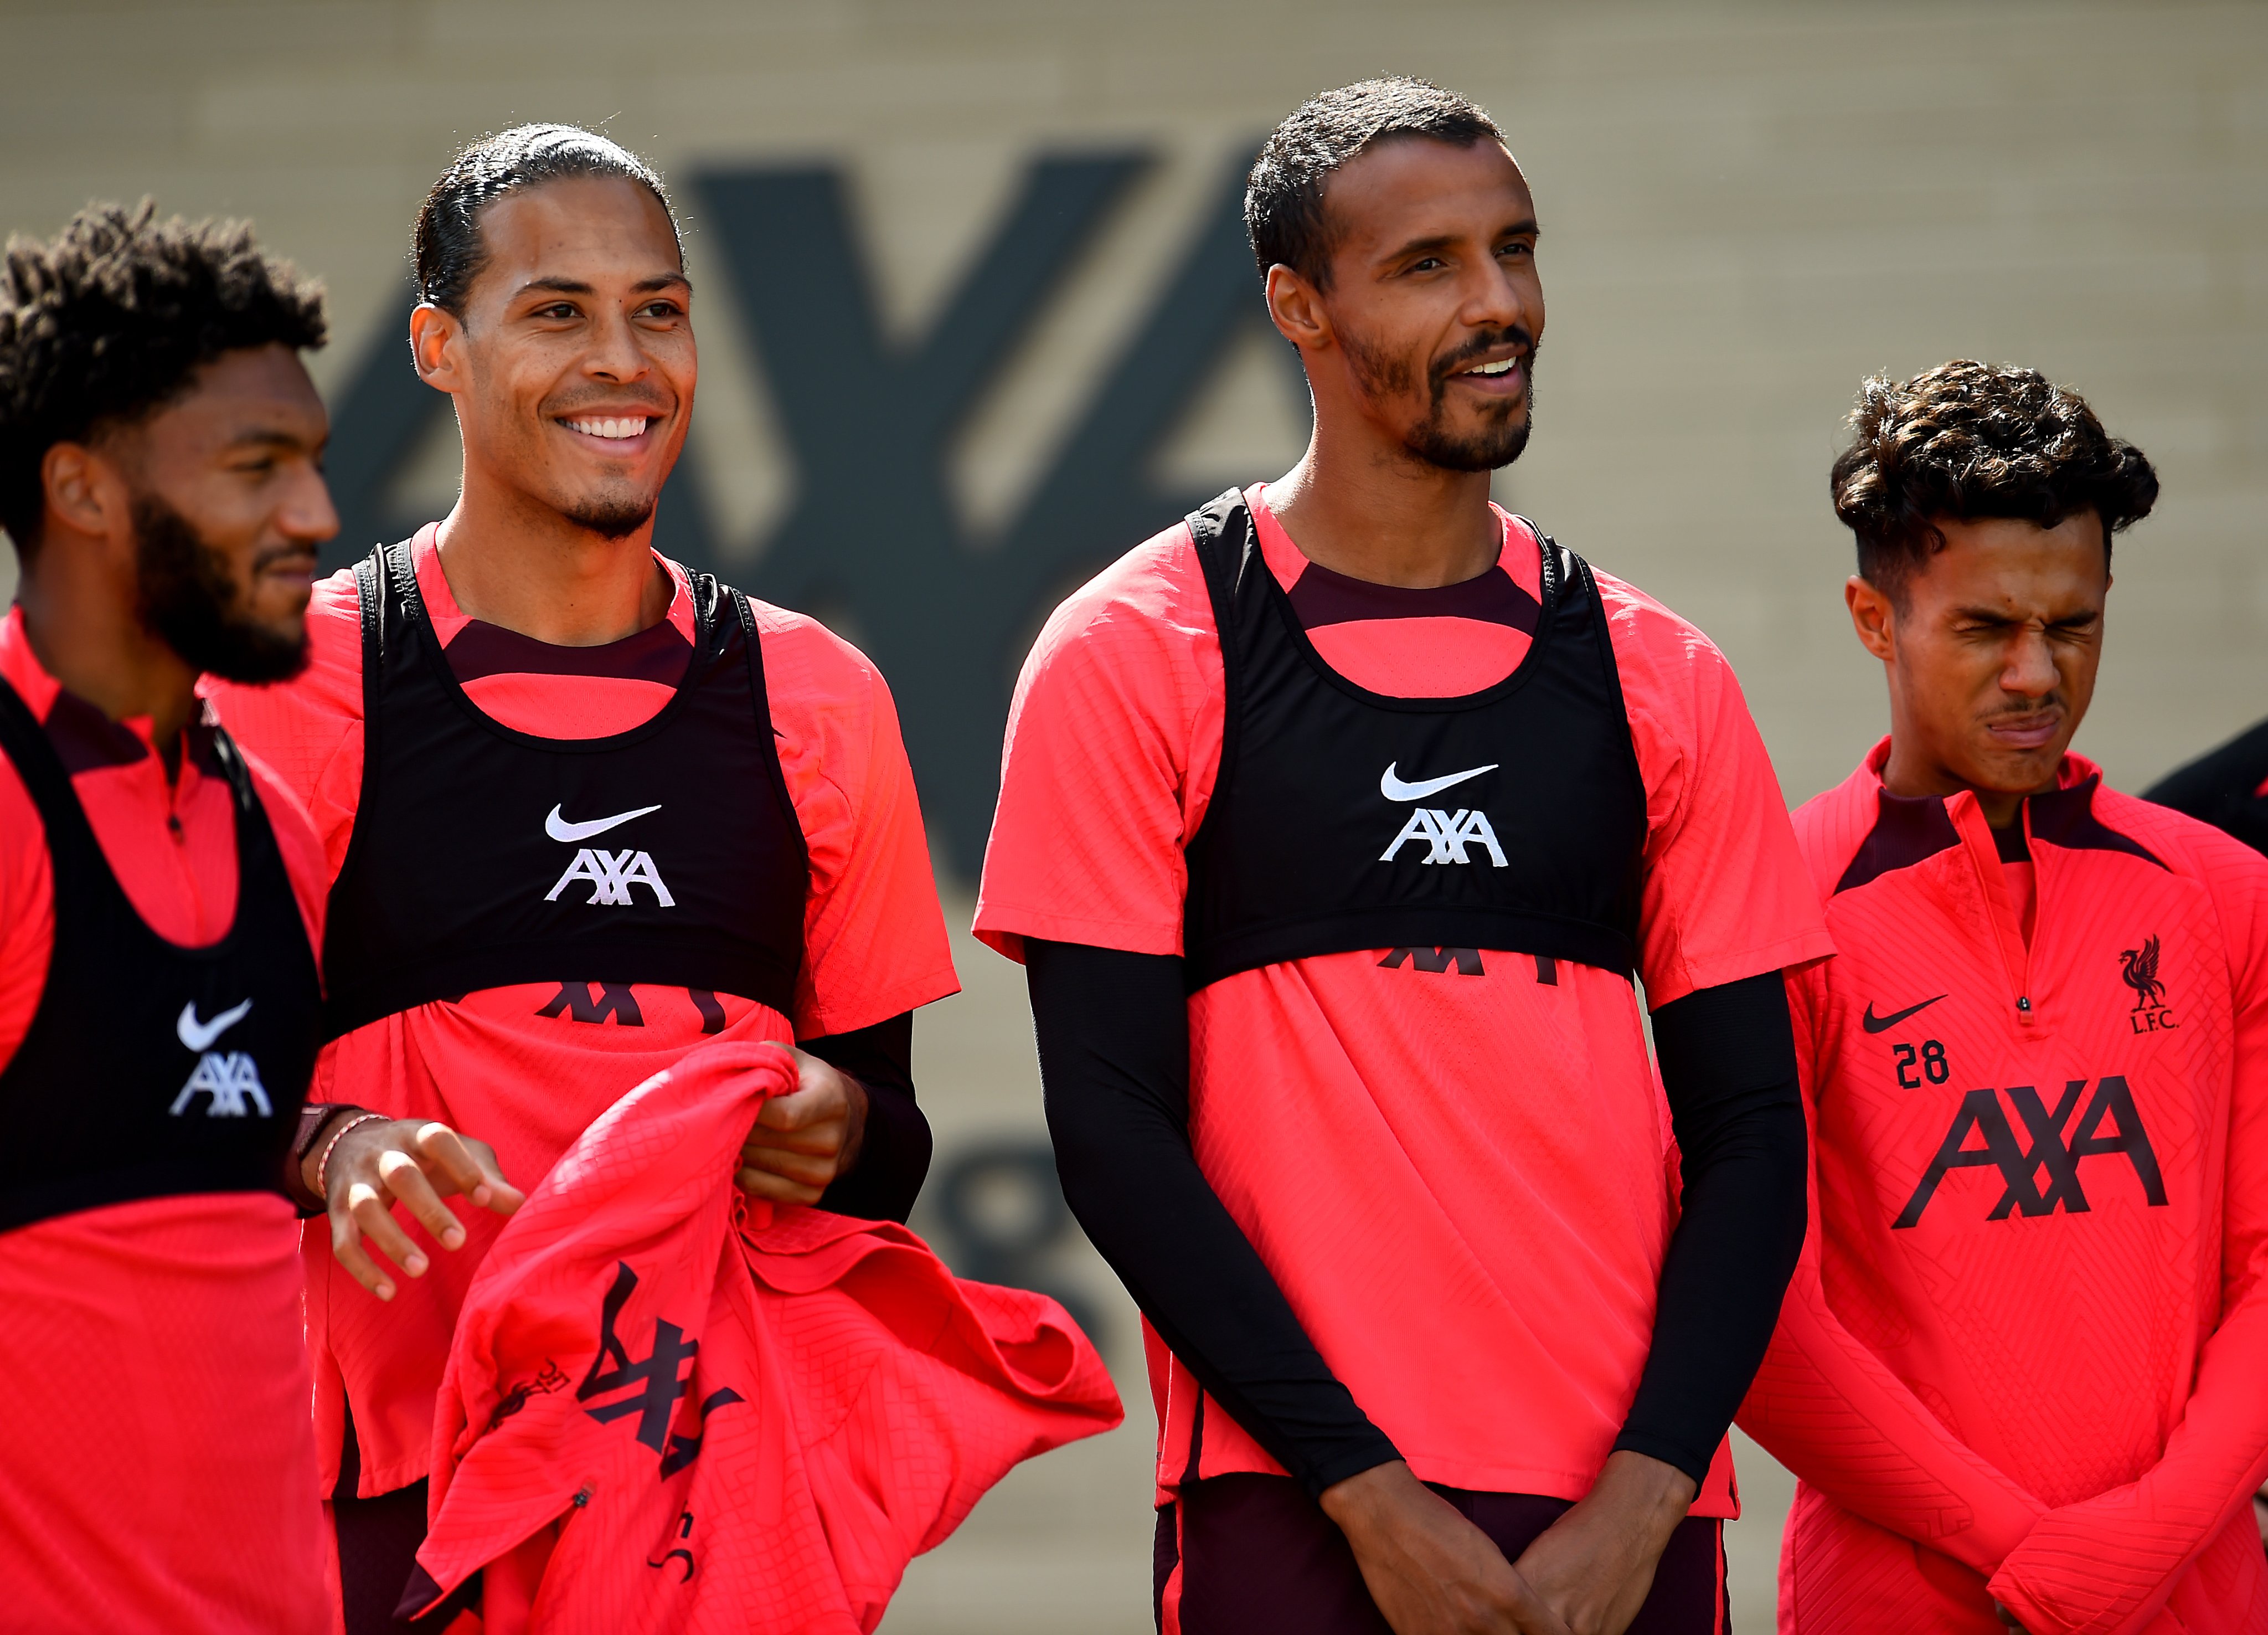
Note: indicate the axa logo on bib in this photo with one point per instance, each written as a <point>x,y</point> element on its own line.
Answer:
<point>1446,834</point>
<point>230,1078</point>
<point>611,873</point>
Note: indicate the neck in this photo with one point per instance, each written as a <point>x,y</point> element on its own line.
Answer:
<point>85,632</point>
<point>1369,511</point>
<point>1910,774</point>
<point>521,565</point>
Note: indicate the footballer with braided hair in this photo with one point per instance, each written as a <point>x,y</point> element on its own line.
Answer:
<point>160,900</point>
<point>2018,1370</point>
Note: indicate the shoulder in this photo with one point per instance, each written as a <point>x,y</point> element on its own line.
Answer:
<point>1660,647</point>
<point>2185,844</point>
<point>810,670</point>
<point>1146,618</point>
<point>1830,829</point>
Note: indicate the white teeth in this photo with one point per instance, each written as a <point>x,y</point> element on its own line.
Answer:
<point>1491,369</point>
<point>613,430</point>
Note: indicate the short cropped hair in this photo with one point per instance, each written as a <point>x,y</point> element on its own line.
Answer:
<point>446,246</point>
<point>1284,213</point>
<point>107,322</point>
<point>1966,440</point>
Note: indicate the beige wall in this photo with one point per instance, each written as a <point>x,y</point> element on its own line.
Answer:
<point>1746,207</point>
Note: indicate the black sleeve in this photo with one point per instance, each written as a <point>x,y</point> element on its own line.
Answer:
<point>1728,1058</point>
<point>1113,1041</point>
<point>2222,788</point>
<point>894,1156</point>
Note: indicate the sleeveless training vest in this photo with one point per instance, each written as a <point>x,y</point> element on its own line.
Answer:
<point>483,857</point>
<point>1512,818</point>
<point>151,1069</point>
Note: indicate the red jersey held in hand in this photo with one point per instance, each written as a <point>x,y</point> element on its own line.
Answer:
<point>665,1410</point>
<point>2022,1358</point>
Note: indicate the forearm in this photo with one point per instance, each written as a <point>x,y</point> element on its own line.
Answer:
<point>1729,1067</point>
<point>892,1155</point>
<point>1113,1058</point>
<point>2107,1563</point>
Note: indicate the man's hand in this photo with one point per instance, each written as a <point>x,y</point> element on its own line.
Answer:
<point>415,1163</point>
<point>1594,1566</point>
<point>802,1141</point>
<point>1432,1572</point>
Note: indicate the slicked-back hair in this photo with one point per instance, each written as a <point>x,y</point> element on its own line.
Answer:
<point>106,323</point>
<point>1966,440</point>
<point>447,246</point>
<point>1284,213</point>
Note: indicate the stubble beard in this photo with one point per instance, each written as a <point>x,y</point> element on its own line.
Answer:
<point>1430,441</point>
<point>186,598</point>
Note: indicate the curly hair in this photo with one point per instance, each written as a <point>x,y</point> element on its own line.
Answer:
<point>1284,213</point>
<point>446,245</point>
<point>108,321</point>
<point>1965,440</point>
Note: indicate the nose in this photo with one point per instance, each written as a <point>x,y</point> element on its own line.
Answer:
<point>2030,671</point>
<point>307,514</point>
<point>617,354</point>
<point>1504,295</point>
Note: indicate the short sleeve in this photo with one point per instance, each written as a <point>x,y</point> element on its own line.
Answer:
<point>874,939</point>
<point>1727,892</point>
<point>1113,745</point>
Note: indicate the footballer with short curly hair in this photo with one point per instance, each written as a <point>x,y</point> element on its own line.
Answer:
<point>160,898</point>
<point>2018,1369</point>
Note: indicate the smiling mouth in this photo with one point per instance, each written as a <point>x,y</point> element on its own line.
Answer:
<point>610,429</point>
<point>1503,367</point>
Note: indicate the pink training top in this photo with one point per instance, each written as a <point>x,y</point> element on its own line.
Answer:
<point>509,1064</point>
<point>1461,1179</point>
<point>2021,1359</point>
<point>157,1466</point>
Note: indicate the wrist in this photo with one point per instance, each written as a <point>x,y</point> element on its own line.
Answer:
<point>333,1151</point>
<point>1358,1503</point>
<point>1654,1494</point>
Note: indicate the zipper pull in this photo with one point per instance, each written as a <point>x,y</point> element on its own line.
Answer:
<point>173,822</point>
<point>2024,1004</point>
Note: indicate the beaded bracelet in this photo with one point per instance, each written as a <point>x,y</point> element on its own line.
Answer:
<point>323,1164</point>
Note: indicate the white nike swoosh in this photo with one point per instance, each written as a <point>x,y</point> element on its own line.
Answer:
<point>559,828</point>
<point>1394,789</point>
<point>199,1035</point>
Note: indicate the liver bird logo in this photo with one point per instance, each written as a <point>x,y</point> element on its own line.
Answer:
<point>2139,969</point>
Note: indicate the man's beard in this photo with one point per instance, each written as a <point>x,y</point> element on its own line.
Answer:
<point>187,600</point>
<point>611,519</point>
<point>1492,448</point>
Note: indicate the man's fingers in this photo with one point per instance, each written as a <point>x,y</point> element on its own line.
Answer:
<point>346,1249</point>
<point>800,1108</point>
<point>467,1167</point>
<point>380,1231</point>
<point>407,1180</point>
<point>762,1183</point>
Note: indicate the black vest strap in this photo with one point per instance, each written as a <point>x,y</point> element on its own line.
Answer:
<point>1514,818</point>
<point>151,1069</point>
<point>483,857</point>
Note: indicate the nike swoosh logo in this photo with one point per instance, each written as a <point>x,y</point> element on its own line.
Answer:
<point>1875,1024</point>
<point>559,828</point>
<point>199,1035</point>
<point>1394,789</point>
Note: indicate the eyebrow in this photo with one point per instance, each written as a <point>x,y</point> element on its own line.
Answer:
<point>1998,616</point>
<point>271,437</point>
<point>1442,240</point>
<point>576,286</point>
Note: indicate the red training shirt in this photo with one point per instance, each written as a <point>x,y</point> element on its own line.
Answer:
<point>490,1064</point>
<point>2026,1339</point>
<point>1476,1259</point>
<point>157,1465</point>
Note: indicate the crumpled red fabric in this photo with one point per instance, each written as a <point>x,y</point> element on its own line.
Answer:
<point>667,1410</point>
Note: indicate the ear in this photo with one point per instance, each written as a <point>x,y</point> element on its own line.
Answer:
<point>1296,308</point>
<point>1873,616</point>
<point>85,492</point>
<point>436,348</point>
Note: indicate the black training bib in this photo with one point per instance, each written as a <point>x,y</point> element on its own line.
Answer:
<point>483,857</point>
<point>1512,818</point>
<point>151,1069</point>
